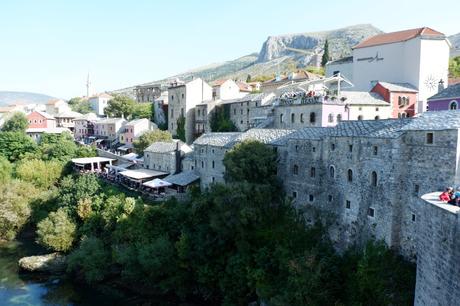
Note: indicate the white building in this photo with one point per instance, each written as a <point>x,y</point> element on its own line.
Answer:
<point>183,97</point>
<point>99,102</point>
<point>229,89</point>
<point>57,106</point>
<point>109,128</point>
<point>418,56</point>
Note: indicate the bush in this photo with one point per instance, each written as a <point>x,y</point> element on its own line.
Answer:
<point>41,173</point>
<point>14,145</point>
<point>57,231</point>
<point>5,170</point>
<point>14,207</point>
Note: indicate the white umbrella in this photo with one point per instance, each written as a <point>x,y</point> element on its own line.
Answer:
<point>157,183</point>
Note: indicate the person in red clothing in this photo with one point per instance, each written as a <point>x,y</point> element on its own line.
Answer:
<point>446,196</point>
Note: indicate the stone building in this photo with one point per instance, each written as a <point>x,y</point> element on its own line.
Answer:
<point>147,93</point>
<point>165,156</point>
<point>109,128</point>
<point>84,126</point>
<point>183,97</point>
<point>67,119</point>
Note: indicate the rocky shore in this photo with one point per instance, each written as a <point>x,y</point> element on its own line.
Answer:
<point>49,263</point>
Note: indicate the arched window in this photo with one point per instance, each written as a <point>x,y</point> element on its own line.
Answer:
<point>292,118</point>
<point>374,178</point>
<point>360,117</point>
<point>296,169</point>
<point>281,118</point>
<point>403,115</point>
<point>453,105</point>
<point>350,175</point>
<point>377,117</point>
<point>301,118</point>
<point>339,117</point>
<point>312,117</point>
<point>330,118</point>
<point>332,171</point>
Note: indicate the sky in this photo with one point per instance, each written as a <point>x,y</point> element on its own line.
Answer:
<point>49,46</point>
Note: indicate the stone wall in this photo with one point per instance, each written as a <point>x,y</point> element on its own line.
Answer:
<point>438,264</point>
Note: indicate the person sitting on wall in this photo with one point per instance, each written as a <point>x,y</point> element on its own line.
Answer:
<point>456,197</point>
<point>447,195</point>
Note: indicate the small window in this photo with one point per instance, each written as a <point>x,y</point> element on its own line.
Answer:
<point>312,117</point>
<point>347,204</point>
<point>297,148</point>
<point>172,98</point>
<point>413,217</point>
<point>331,172</point>
<point>301,118</point>
<point>360,117</point>
<point>294,194</point>
<point>313,149</point>
<point>213,164</point>
<point>281,118</point>
<point>234,111</point>
<point>453,105</point>
<point>371,212</point>
<point>429,138</point>
<point>350,148</point>
<point>360,108</point>
<point>350,175</point>
<point>376,109</point>
<point>416,189</point>
<point>202,164</point>
<point>375,150</point>
<point>332,146</point>
<point>292,118</point>
<point>213,179</point>
<point>311,198</point>
<point>182,96</point>
<point>296,169</point>
<point>312,172</point>
<point>330,118</point>
<point>330,198</point>
<point>377,117</point>
<point>374,179</point>
<point>339,118</point>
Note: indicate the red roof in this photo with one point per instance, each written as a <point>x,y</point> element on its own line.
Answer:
<point>388,38</point>
<point>244,86</point>
<point>453,81</point>
<point>219,82</point>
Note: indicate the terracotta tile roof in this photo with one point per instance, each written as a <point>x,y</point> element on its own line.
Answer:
<point>244,86</point>
<point>393,37</point>
<point>453,81</point>
<point>219,82</point>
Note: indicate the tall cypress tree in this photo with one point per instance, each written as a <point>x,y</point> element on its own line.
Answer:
<point>325,57</point>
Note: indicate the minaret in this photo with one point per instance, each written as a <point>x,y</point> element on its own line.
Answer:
<point>88,84</point>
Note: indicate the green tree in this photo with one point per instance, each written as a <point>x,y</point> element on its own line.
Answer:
<point>181,128</point>
<point>454,67</point>
<point>220,120</point>
<point>14,145</point>
<point>143,110</point>
<point>5,170</point>
<point>80,105</point>
<point>16,123</point>
<point>43,174</point>
<point>58,147</point>
<point>248,78</point>
<point>72,189</point>
<point>14,207</point>
<point>150,137</point>
<point>251,161</point>
<point>57,231</point>
<point>325,57</point>
<point>92,258</point>
<point>120,106</point>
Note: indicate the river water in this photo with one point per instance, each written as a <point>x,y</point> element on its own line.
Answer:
<point>27,289</point>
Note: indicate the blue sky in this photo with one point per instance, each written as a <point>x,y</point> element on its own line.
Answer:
<point>49,46</point>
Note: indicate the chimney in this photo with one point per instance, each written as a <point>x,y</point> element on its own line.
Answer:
<point>441,85</point>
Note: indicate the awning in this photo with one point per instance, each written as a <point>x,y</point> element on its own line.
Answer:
<point>91,160</point>
<point>142,174</point>
<point>125,147</point>
<point>157,183</point>
<point>131,156</point>
<point>184,178</point>
<point>99,140</point>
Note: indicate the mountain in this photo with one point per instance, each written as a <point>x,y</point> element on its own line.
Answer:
<point>303,46</point>
<point>10,97</point>
<point>455,41</point>
<point>279,54</point>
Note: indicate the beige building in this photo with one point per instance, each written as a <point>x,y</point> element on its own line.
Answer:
<point>67,119</point>
<point>109,128</point>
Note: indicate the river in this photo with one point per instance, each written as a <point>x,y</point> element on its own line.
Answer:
<point>27,289</point>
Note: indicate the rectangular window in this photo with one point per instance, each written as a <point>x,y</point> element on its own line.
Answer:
<point>429,138</point>
<point>311,198</point>
<point>347,204</point>
<point>371,212</point>
<point>294,194</point>
<point>375,150</point>
<point>312,172</point>
<point>413,217</point>
<point>416,189</point>
<point>330,198</point>
<point>350,148</point>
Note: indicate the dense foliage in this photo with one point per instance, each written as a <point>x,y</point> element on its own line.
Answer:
<point>454,67</point>
<point>123,106</point>
<point>150,137</point>
<point>220,120</point>
<point>80,105</point>
<point>16,123</point>
<point>57,231</point>
<point>181,128</point>
<point>41,173</point>
<point>14,145</point>
<point>325,58</point>
<point>6,169</point>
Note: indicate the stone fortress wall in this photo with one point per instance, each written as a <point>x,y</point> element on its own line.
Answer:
<point>366,178</point>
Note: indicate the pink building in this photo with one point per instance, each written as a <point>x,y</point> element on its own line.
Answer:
<point>41,120</point>
<point>134,129</point>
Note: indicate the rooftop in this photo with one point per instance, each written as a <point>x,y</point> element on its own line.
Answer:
<point>400,36</point>
<point>343,60</point>
<point>141,174</point>
<point>43,114</point>
<point>183,178</point>
<point>68,114</point>
<point>166,147</point>
<point>399,87</point>
<point>363,98</point>
<point>89,160</point>
<point>452,91</point>
<point>110,120</point>
<point>88,116</point>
